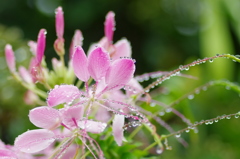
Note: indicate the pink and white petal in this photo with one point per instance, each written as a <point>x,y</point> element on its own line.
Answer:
<point>59,22</point>
<point>62,94</point>
<point>76,40</point>
<point>26,76</point>
<point>120,72</point>
<point>80,64</point>
<point>109,26</point>
<point>135,86</point>
<point>71,115</point>
<point>103,115</point>
<point>98,63</point>
<point>45,117</point>
<point>118,123</point>
<point>33,47</point>
<point>92,126</point>
<point>34,140</point>
<point>10,58</point>
<point>122,49</point>
<point>70,152</point>
<point>30,98</point>
<point>41,43</point>
<point>7,154</point>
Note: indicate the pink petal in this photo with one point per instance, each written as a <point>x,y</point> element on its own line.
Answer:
<point>45,117</point>
<point>98,63</point>
<point>34,140</point>
<point>80,63</point>
<point>109,26</point>
<point>92,126</point>
<point>10,58</point>
<point>59,22</point>
<point>120,72</point>
<point>122,49</point>
<point>33,47</point>
<point>26,76</point>
<point>30,98</point>
<point>62,94</point>
<point>7,154</point>
<point>118,123</point>
<point>77,40</point>
<point>71,115</point>
<point>41,42</point>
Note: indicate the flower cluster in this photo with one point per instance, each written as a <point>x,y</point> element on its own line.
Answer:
<point>94,98</point>
<point>71,112</point>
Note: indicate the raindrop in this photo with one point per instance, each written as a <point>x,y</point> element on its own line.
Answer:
<point>210,60</point>
<point>191,96</point>
<point>159,151</point>
<point>187,130</point>
<point>161,113</point>
<point>187,68</point>
<point>216,120</point>
<point>153,104</point>
<point>178,135</point>
<point>236,116</point>
<point>168,110</point>
<point>228,117</point>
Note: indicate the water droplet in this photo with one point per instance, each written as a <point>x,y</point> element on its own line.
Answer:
<point>168,110</point>
<point>236,116</point>
<point>187,68</point>
<point>153,104</point>
<point>178,135</point>
<point>187,130</point>
<point>216,120</point>
<point>210,60</point>
<point>190,97</point>
<point>161,113</point>
<point>228,117</point>
<point>159,151</point>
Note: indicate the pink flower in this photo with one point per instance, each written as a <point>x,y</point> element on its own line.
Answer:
<point>10,58</point>
<point>59,42</point>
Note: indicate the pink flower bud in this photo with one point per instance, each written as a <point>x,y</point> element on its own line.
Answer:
<point>10,58</point>
<point>59,46</point>
<point>109,26</point>
<point>41,43</point>
<point>59,22</point>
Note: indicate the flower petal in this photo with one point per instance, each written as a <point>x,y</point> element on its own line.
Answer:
<point>62,94</point>
<point>120,72</point>
<point>109,26</point>
<point>26,76</point>
<point>7,154</point>
<point>122,49</point>
<point>76,40</point>
<point>45,117</point>
<point>59,22</point>
<point>92,126</point>
<point>118,123</point>
<point>80,63</point>
<point>71,115</point>
<point>34,140</point>
<point>41,42</point>
<point>98,63</point>
<point>10,58</point>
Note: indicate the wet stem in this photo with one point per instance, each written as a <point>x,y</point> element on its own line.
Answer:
<point>186,67</point>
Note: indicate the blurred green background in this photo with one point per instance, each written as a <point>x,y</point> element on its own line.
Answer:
<point>164,34</point>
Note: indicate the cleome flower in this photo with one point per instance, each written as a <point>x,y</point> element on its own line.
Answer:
<point>74,112</point>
